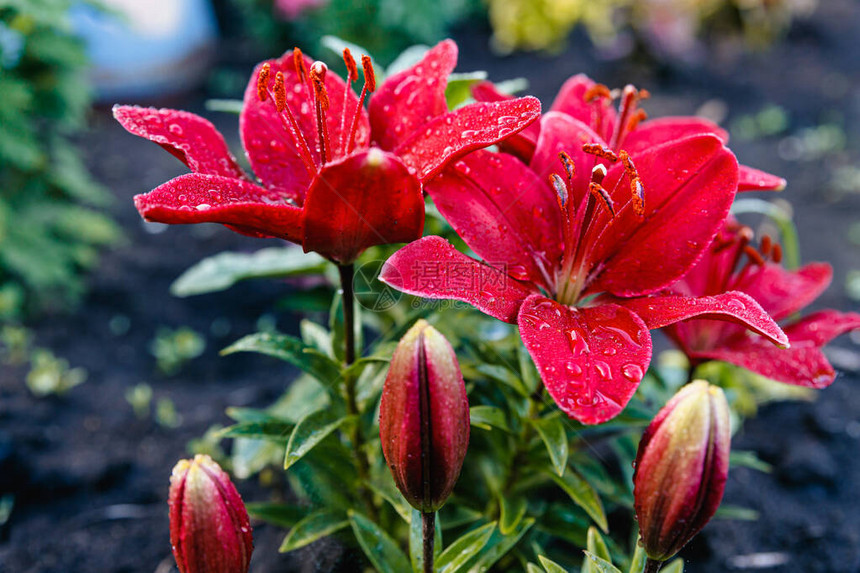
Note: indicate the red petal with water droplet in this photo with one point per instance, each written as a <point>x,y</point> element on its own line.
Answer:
<point>751,179</point>
<point>466,129</point>
<point>821,327</point>
<point>662,310</point>
<point>190,138</point>
<point>409,99</point>
<point>665,129</point>
<point>504,213</point>
<point>591,359</point>
<point>689,187</point>
<point>198,198</point>
<point>520,144</point>
<point>782,292</point>
<point>431,267</point>
<point>267,137</point>
<point>571,101</point>
<point>366,199</point>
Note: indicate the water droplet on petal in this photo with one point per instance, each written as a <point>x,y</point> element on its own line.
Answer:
<point>632,372</point>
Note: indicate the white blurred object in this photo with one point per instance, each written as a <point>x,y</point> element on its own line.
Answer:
<point>147,48</point>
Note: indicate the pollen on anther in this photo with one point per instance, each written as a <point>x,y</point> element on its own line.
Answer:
<point>318,72</point>
<point>597,91</point>
<point>299,63</point>
<point>776,255</point>
<point>597,190</point>
<point>567,162</point>
<point>351,69</point>
<point>754,255</point>
<point>600,150</point>
<point>560,189</point>
<point>766,245</point>
<point>638,193</point>
<point>369,76</point>
<point>280,92</point>
<point>263,82</point>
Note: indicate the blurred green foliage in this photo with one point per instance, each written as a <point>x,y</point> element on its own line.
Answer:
<point>50,225</point>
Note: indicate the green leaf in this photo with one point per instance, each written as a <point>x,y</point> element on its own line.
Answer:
<point>503,375</point>
<point>583,495</point>
<point>223,270</point>
<point>459,89</point>
<point>551,430</point>
<point>407,58</point>
<point>513,509</point>
<point>276,513</point>
<point>416,540</point>
<point>454,515</point>
<point>676,566</point>
<point>746,459</point>
<point>316,335</point>
<point>550,566</point>
<point>389,493</point>
<point>601,565</point>
<point>637,562</point>
<point>310,431</point>
<point>488,417</point>
<point>382,551</point>
<point>314,526</point>
<point>292,350</point>
<point>532,568</point>
<point>272,430</point>
<point>337,45</point>
<point>498,546</point>
<point>225,105</point>
<point>465,548</point>
<point>596,547</point>
<point>735,512</point>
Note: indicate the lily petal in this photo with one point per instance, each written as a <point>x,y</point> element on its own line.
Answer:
<point>245,207</point>
<point>365,199</point>
<point>503,212</point>
<point>456,133</point>
<point>431,267</point>
<point>782,292</point>
<point>662,130</point>
<point>571,101</point>
<point>685,206</point>
<point>821,327</point>
<point>520,144</point>
<point>190,138</point>
<point>662,310</point>
<point>409,99</point>
<point>750,179</point>
<point>591,359</point>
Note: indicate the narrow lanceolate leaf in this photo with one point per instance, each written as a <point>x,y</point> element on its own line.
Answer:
<point>310,431</point>
<point>675,566</point>
<point>223,270</point>
<point>416,541</point>
<point>278,514</point>
<point>488,417</point>
<point>637,562</point>
<point>513,509</point>
<point>292,350</point>
<point>532,568</point>
<point>314,526</point>
<point>550,566</point>
<point>497,547</point>
<point>597,547</point>
<point>601,565</point>
<point>463,549</point>
<point>583,495</point>
<point>379,548</point>
<point>272,430</point>
<point>551,430</point>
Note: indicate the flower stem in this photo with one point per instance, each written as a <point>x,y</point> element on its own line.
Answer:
<point>428,531</point>
<point>652,566</point>
<point>347,272</point>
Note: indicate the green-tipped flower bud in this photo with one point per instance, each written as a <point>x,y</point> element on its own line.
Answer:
<point>681,468</point>
<point>209,527</point>
<point>424,418</point>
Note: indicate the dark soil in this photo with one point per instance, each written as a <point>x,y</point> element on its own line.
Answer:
<point>90,479</point>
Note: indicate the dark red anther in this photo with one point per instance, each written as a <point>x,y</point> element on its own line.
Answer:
<point>280,92</point>
<point>569,167</point>
<point>351,69</point>
<point>776,255</point>
<point>597,190</point>
<point>560,190</point>
<point>765,246</point>
<point>600,151</point>
<point>597,91</point>
<point>263,82</point>
<point>369,76</point>
<point>754,255</point>
<point>638,117</point>
<point>299,63</point>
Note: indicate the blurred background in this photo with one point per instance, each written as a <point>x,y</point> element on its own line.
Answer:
<point>107,379</point>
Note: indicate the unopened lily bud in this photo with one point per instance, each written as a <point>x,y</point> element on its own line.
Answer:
<point>424,418</point>
<point>209,527</point>
<point>681,468</point>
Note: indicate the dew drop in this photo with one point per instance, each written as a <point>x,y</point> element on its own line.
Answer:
<point>175,129</point>
<point>632,372</point>
<point>203,206</point>
<point>603,369</point>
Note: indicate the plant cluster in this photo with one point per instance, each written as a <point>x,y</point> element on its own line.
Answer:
<point>51,227</point>
<point>525,370</point>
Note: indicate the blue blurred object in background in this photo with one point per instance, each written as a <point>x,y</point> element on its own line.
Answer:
<point>147,49</point>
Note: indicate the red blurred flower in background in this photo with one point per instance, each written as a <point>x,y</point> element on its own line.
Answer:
<point>732,264</point>
<point>628,126</point>
<point>334,178</point>
<point>621,225</point>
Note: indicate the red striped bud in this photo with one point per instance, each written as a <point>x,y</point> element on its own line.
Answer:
<point>424,418</point>
<point>681,468</point>
<point>209,527</point>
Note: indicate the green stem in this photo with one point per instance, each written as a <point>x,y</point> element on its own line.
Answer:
<point>347,272</point>
<point>428,531</point>
<point>652,566</point>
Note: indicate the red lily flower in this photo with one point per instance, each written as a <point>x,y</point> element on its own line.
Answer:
<point>589,102</point>
<point>780,292</point>
<point>335,178</point>
<point>631,226</point>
